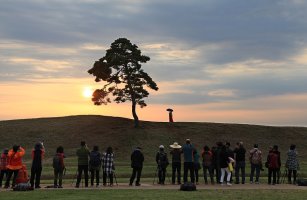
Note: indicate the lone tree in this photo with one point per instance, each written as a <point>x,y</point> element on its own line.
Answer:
<point>124,79</point>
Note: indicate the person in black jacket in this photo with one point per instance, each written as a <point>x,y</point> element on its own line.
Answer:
<point>162,162</point>
<point>36,168</point>
<point>137,159</point>
<point>240,152</point>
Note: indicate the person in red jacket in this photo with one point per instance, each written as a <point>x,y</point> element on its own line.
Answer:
<point>3,164</point>
<point>58,167</point>
<point>273,164</point>
<point>14,164</point>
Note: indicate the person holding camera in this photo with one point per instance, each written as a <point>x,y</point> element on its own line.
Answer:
<point>137,159</point>
<point>83,158</point>
<point>162,162</point>
<point>36,170</point>
<point>108,166</point>
<point>14,164</point>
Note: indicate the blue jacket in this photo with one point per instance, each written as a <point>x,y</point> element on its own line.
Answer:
<point>188,150</point>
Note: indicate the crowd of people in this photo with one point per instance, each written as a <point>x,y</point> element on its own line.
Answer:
<point>221,164</point>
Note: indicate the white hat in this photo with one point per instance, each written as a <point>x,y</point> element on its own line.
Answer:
<point>161,147</point>
<point>175,145</point>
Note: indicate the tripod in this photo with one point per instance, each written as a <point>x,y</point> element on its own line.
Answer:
<point>285,174</point>
<point>156,174</point>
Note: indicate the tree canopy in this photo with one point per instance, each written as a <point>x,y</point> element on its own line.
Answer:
<point>122,76</point>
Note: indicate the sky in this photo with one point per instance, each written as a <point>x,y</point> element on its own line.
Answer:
<point>230,61</point>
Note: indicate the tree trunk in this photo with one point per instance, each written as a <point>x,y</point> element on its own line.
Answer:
<point>136,119</point>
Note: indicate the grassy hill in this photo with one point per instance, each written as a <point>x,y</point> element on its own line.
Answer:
<point>120,134</point>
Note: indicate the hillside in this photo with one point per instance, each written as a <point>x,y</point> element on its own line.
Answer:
<point>120,134</point>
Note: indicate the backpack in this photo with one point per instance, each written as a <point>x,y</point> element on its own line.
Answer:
<point>207,158</point>
<point>56,162</point>
<point>163,159</point>
<point>255,157</point>
<point>22,176</point>
<point>23,187</point>
<point>188,186</point>
<point>302,182</point>
<point>95,159</point>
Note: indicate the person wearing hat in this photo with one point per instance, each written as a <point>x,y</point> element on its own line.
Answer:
<point>137,159</point>
<point>3,164</point>
<point>188,151</point>
<point>176,162</point>
<point>162,162</point>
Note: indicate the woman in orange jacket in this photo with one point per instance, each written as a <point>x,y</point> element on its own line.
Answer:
<point>14,164</point>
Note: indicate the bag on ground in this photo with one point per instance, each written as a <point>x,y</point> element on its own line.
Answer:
<point>22,176</point>
<point>188,186</point>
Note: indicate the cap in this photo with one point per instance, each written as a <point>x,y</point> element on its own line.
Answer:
<point>161,147</point>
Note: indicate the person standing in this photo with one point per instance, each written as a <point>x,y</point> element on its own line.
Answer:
<point>162,162</point>
<point>255,158</point>
<point>83,155</point>
<point>14,164</point>
<point>58,167</point>
<point>224,162</point>
<point>38,154</point>
<point>207,157</point>
<point>176,162</point>
<point>3,165</point>
<point>292,164</point>
<point>188,151</point>
<point>108,166</point>
<point>94,165</point>
<point>273,161</point>
<point>197,166</point>
<point>137,159</point>
<point>240,152</point>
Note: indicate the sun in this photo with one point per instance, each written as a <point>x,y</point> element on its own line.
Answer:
<point>87,92</point>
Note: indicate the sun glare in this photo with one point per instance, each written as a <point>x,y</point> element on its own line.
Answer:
<point>87,92</point>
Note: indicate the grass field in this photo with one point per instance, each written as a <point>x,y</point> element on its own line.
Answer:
<point>155,194</point>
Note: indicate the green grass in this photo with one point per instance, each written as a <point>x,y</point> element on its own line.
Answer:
<point>155,194</point>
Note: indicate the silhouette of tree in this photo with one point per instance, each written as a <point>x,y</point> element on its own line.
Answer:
<point>121,69</point>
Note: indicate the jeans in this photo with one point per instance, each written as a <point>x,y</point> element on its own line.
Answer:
<point>104,177</point>
<point>35,174</point>
<point>161,174</point>
<point>80,169</point>
<point>210,170</point>
<point>137,171</point>
<point>10,173</point>
<point>188,166</point>
<point>176,167</point>
<point>58,175</point>
<point>240,165</point>
<point>290,174</point>
<point>254,168</point>
<point>2,175</point>
<point>274,172</point>
<point>93,173</point>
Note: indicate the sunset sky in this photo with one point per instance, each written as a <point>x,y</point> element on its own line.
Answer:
<point>233,61</point>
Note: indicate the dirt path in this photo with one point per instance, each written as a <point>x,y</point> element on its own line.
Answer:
<point>199,187</point>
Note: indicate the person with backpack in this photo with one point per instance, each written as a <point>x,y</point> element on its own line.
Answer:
<point>255,158</point>
<point>207,162</point>
<point>240,163</point>
<point>14,164</point>
<point>108,166</point>
<point>83,157</point>
<point>176,162</point>
<point>137,159</point>
<point>3,165</point>
<point>58,167</point>
<point>188,150</point>
<point>36,170</point>
<point>292,164</point>
<point>273,165</point>
<point>94,165</point>
<point>197,166</point>
<point>162,162</point>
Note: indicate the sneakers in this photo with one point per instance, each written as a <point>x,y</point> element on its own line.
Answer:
<point>137,184</point>
<point>229,184</point>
